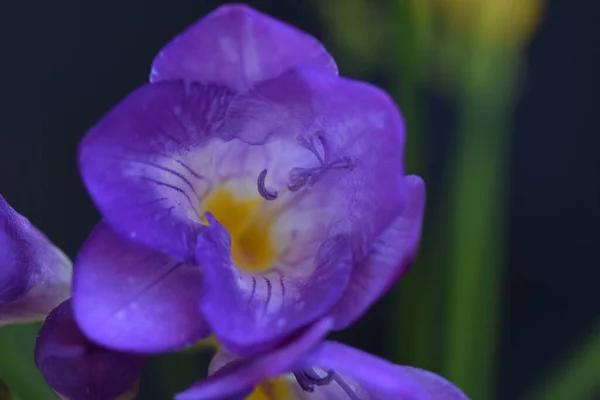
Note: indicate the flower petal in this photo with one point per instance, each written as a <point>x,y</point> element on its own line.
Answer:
<point>388,259</point>
<point>78,369</point>
<point>264,308</point>
<point>236,376</point>
<point>352,133</point>
<point>130,298</point>
<point>135,164</point>
<point>237,46</point>
<point>35,275</point>
<point>381,378</point>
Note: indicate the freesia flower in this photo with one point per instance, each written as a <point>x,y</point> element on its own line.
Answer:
<point>78,369</point>
<point>249,159</point>
<point>35,276</point>
<point>309,368</point>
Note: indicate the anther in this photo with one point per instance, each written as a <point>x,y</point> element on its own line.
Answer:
<point>308,379</point>
<point>298,178</point>
<point>320,381</point>
<point>307,177</point>
<point>304,382</point>
<point>265,192</point>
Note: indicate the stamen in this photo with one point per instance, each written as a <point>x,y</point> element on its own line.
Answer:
<point>265,192</point>
<point>304,382</point>
<point>308,177</point>
<point>326,151</point>
<point>344,162</point>
<point>318,380</point>
<point>310,146</point>
<point>344,386</point>
<point>308,379</point>
<point>299,177</point>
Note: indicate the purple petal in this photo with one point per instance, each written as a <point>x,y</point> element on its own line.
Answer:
<point>358,129</point>
<point>388,259</point>
<point>35,276</point>
<point>237,46</point>
<point>136,163</point>
<point>131,298</point>
<point>381,378</point>
<point>76,368</point>
<point>237,377</point>
<point>264,308</point>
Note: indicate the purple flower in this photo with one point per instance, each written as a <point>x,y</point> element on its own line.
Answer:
<point>77,369</point>
<point>310,368</point>
<point>35,276</point>
<point>249,157</point>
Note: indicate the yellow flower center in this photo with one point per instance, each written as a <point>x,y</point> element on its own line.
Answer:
<point>248,223</point>
<point>272,389</point>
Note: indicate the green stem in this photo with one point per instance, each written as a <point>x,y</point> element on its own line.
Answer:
<point>476,223</point>
<point>415,339</point>
<point>414,333</point>
<point>577,377</point>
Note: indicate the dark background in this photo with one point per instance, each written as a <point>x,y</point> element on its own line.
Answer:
<point>64,64</point>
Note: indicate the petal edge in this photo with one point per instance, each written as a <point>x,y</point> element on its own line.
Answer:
<point>238,46</point>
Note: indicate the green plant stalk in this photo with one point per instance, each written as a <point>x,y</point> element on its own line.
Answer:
<point>577,377</point>
<point>416,337</point>
<point>17,367</point>
<point>414,328</point>
<point>415,340</point>
<point>476,222</point>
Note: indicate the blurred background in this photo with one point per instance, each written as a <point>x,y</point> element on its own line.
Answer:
<point>500,100</point>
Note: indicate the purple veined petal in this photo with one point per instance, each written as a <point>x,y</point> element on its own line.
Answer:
<point>265,308</point>
<point>35,275</point>
<point>382,379</point>
<point>130,298</point>
<point>237,377</point>
<point>353,139</point>
<point>237,46</point>
<point>135,163</point>
<point>78,369</point>
<point>389,258</point>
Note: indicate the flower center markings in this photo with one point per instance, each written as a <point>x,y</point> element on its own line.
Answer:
<point>248,220</point>
<point>248,223</point>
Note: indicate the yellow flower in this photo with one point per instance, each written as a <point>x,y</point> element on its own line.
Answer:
<point>504,22</point>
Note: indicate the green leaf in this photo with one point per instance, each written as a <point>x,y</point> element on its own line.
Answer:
<point>577,377</point>
<point>17,367</point>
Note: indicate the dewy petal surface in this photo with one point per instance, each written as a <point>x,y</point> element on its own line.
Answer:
<point>131,298</point>
<point>134,163</point>
<point>35,276</point>
<point>383,380</point>
<point>237,46</point>
<point>239,376</point>
<point>389,258</point>
<point>78,369</point>
<point>265,308</point>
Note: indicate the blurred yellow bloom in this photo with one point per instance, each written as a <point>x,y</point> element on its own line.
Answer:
<point>504,22</point>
